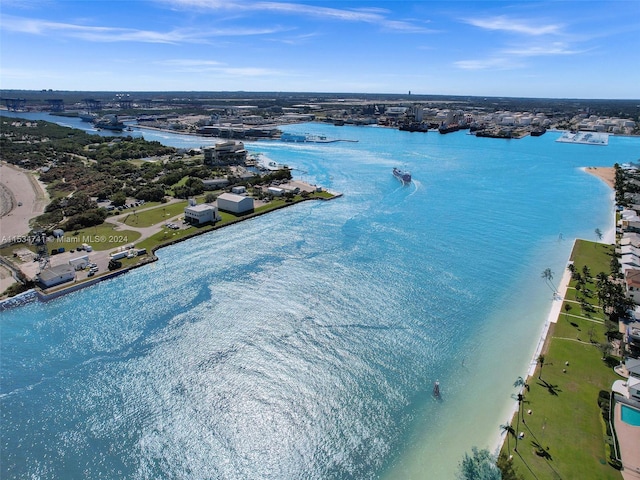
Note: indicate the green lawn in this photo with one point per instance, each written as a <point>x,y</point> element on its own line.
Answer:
<point>566,421</point>
<point>100,237</point>
<point>155,215</point>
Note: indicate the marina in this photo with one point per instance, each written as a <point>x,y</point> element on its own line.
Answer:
<point>585,138</point>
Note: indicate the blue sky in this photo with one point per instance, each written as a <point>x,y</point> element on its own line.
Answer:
<point>576,49</point>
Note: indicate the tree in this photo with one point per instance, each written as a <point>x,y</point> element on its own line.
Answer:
<point>541,363</point>
<point>567,309</point>
<point>598,234</point>
<point>480,465</point>
<point>506,467</point>
<point>509,430</point>
<point>547,274</point>
<point>587,273</point>
<point>118,199</point>
<point>519,383</point>
<point>606,349</point>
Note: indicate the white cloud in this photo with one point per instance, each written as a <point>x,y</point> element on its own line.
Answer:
<point>506,24</point>
<point>542,50</point>
<point>116,34</point>
<point>376,16</point>
<point>495,63</point>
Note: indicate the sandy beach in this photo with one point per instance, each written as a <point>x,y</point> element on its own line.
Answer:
<point>22,197</point>
<point>606,174</point>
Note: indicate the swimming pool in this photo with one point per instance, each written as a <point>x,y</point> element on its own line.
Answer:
<point>630,415</point>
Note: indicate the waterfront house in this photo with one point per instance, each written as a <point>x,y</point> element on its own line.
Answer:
<point>632,283</point>
<point>630,238</point>
<point>629,261</point>
<point>628,250</point>
<point>633,384</point>
<point>632,365</point>
<point>230,202</point>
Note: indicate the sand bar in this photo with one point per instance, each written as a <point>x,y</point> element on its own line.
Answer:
<point>606,174</point>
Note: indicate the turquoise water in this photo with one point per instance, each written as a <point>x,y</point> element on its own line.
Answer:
<point>630,415</point>
<point>305,343</point>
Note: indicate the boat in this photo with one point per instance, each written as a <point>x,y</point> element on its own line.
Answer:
<point>448,128</point>
<point>414,127</point>
<point>110,122</point>
<point>87,117</point>
<point>403,176</point>
<point>436,388</point>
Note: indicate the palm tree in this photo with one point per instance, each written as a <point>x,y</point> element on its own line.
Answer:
<point>509,430</point>
<point>519,383</point>
<point>541,363</point>
<point>547,274</point>
<point>587,273</point>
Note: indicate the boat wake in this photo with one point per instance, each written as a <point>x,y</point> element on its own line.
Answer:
<point>416,186</point>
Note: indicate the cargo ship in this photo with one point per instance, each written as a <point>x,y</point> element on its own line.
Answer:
<point>403,176</point>
<point>414,127</point>
<point>448,128</point>
<point>110,122</point>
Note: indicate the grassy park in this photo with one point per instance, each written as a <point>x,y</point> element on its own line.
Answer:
<point>154,216</point>
<point>100,237</point>
<point>565,435</point>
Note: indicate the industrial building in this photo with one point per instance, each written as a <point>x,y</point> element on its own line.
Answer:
<point>50,277</point>
<point>225,153</point>
<point>201,214</point>
<point>230,202</point>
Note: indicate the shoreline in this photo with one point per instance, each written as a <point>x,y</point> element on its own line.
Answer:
<point>44,296</point>
<point>22,198</point>
<point>543,341</point>
<point>607,175</point>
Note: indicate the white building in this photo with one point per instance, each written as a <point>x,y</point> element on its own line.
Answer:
<point>201,214</point>
<point>233,203</point>
<point>50,277</point>
<point>239,190</point>
<point>215,183</point>
<point>275,191</point>
<point>80,262</point>
<point>225,153</point>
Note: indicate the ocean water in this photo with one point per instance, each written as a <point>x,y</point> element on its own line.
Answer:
<point>305,343</point>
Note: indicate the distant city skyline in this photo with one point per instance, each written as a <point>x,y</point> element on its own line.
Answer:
<point>548,49</point>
